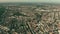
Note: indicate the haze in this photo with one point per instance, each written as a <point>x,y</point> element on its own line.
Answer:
<point>48,1</point>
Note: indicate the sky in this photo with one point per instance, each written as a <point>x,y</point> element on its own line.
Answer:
<point>48,1</point>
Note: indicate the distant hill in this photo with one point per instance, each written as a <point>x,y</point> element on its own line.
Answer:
<point>25,3</point>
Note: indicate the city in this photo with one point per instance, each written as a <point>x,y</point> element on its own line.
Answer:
<point>30,19</point>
